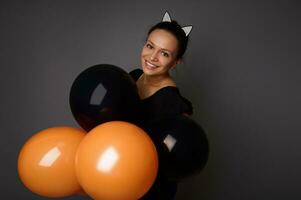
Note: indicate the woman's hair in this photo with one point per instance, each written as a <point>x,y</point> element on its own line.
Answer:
<point>175,29</point>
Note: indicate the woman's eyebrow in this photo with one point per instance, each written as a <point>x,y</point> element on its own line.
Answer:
<point>150,42</point>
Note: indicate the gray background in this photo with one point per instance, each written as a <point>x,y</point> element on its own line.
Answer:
<point>241,71</point>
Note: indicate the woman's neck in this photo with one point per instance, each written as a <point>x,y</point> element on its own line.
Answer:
<point>154,81</point>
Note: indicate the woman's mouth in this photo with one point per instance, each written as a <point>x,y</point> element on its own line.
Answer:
<point>150,65</point>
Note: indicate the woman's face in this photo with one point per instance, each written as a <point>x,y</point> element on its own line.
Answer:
<point>159,53</point>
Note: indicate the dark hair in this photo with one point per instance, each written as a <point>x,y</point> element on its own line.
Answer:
<point>175,29</point>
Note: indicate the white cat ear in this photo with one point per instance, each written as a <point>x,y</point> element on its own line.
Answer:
<point>187,29</point>
<point>166,17</point>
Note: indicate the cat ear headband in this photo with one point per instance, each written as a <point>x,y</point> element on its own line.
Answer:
<point>186,29</point>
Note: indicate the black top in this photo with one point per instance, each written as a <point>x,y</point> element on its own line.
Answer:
<point>167,101</point>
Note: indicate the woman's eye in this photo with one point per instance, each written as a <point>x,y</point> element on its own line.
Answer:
<point>165,54</point>
<point>149,46</point>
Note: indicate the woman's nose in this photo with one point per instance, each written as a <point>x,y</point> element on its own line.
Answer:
<point>154,56</point>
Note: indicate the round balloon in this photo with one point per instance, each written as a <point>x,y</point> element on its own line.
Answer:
<point>46,162</point>
<point>116,161</point>
<point>161,189</point>
<point>182,146</point>
<point>103,93</point>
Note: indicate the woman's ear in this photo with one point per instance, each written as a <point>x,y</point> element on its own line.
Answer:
<point>179,61</point>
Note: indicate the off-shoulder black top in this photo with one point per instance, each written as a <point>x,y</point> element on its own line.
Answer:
<point>167,101</point>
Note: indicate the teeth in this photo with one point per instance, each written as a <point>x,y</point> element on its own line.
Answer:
<point>150,65</point>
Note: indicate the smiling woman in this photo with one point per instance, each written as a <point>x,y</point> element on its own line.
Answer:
<point>163,50</point>
<point>159,53</point>
<point>158,56</point>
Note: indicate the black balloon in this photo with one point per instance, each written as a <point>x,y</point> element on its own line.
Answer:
<point>182,146</point>
<point>161,189</point>
<point>103,93</point>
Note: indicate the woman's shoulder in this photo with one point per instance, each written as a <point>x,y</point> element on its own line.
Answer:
<point>136,73</point>
<point>184,104</point>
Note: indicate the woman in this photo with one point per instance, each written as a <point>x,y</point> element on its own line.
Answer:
<point>163,50</point>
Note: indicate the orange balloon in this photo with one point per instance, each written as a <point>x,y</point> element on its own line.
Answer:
<point>116,161</point>
<point>46,162</point>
